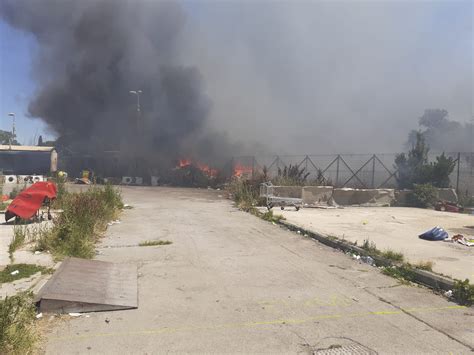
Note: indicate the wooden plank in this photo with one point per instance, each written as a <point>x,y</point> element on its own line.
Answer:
<point>90,285</point>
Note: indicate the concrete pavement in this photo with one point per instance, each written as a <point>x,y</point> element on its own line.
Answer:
<point>231,282</point>
<point>397,229</point>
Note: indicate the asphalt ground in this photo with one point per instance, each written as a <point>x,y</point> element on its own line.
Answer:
<point>233,283</point>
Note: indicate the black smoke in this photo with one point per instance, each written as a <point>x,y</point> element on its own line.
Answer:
<point>91,53</point>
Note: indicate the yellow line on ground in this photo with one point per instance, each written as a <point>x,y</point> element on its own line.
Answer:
<point>258,323</point>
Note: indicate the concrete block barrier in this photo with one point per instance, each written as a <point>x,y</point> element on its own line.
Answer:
<point>371,197</point>
<point>316,195</point>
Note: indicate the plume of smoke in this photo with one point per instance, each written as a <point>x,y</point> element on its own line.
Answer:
<point>442,134</point>
<point>92,53</point>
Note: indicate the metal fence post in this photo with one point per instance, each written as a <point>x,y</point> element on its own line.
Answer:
<point>337,170</point>
<point>373,172</point>
<point>253,167</point>
<point>457,176</point>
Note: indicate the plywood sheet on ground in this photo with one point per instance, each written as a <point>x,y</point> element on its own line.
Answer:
<point>81,285</point>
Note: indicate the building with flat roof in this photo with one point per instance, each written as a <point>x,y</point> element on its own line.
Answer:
<point>27,160</point>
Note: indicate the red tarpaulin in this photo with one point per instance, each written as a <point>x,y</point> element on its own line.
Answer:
<point>30,200</point>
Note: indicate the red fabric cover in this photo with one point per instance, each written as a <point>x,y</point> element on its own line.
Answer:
<point>29,201</point>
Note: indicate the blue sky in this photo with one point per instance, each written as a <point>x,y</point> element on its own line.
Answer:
<point>16,84</point>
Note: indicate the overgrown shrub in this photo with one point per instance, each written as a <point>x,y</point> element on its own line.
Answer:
<point>84,215</point>
<point>17,316</point>
<point>414,168</point>
<point>466,199</point>
<point>245,193</point>
<point>463,292</point>
<point>291,175</point>
<point>423,195</point>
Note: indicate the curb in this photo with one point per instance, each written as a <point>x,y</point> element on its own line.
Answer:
<point>423,277</point>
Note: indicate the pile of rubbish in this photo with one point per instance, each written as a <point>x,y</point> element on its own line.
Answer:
<point>438,233</point>
<point>447,206</point>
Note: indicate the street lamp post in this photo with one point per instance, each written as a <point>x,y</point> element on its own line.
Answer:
<point>12,114</point>
<point>137,92</point>
<point>137,128</point>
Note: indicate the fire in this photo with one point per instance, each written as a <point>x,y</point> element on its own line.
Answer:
<point>241,170</point>
<point>207,170</point>
<point>184,163</point>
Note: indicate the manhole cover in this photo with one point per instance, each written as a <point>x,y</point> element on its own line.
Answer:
<point>353,349</point>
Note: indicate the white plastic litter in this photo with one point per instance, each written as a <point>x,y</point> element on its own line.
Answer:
<point>368,260</point>
<point>75,314</point>
<point>16,272</point>
<point>448,293</point>
<point>37,252</point>
<point>39,315</point>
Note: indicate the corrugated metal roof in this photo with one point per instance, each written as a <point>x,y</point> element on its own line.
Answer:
<point>25,148</point>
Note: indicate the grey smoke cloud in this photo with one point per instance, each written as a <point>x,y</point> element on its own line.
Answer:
<point>297,77</point>
<point>92,53</point>
<point>327,77</point>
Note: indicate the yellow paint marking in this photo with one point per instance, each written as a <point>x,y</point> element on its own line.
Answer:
<point>258,323</point>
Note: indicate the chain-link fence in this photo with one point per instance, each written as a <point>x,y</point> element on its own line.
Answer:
<point>350,170</point>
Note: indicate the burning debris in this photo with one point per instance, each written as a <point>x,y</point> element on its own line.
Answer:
<point>204,168</point>
<point>242,171</point>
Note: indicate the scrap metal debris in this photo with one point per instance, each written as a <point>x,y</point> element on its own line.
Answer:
<point>459,238</point>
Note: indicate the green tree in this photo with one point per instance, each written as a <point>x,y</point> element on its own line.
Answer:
<point>413,168</point>
<point>441,169</point>
<point>7,137</point>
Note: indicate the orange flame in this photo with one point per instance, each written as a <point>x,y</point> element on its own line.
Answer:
<point>184,163</point>
<point>241,170</point>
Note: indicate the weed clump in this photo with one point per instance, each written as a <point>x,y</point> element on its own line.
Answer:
<point>270,217</point>
<point>424,265</point>
<point>370,247</point>
<point>24,270</point>
<point>403,272</point>
<point>85,214</point>
<point>19,237</point>
<point>150,243</point>
<point>17,316</point>
<point>245,193</point>
<point>463,292</point>
<point>392,255</point>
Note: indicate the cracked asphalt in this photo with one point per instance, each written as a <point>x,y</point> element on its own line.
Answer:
<point>232,283</point>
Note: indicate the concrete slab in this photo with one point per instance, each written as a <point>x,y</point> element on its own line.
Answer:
<point>81,285</point>
<point>397,228</point>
